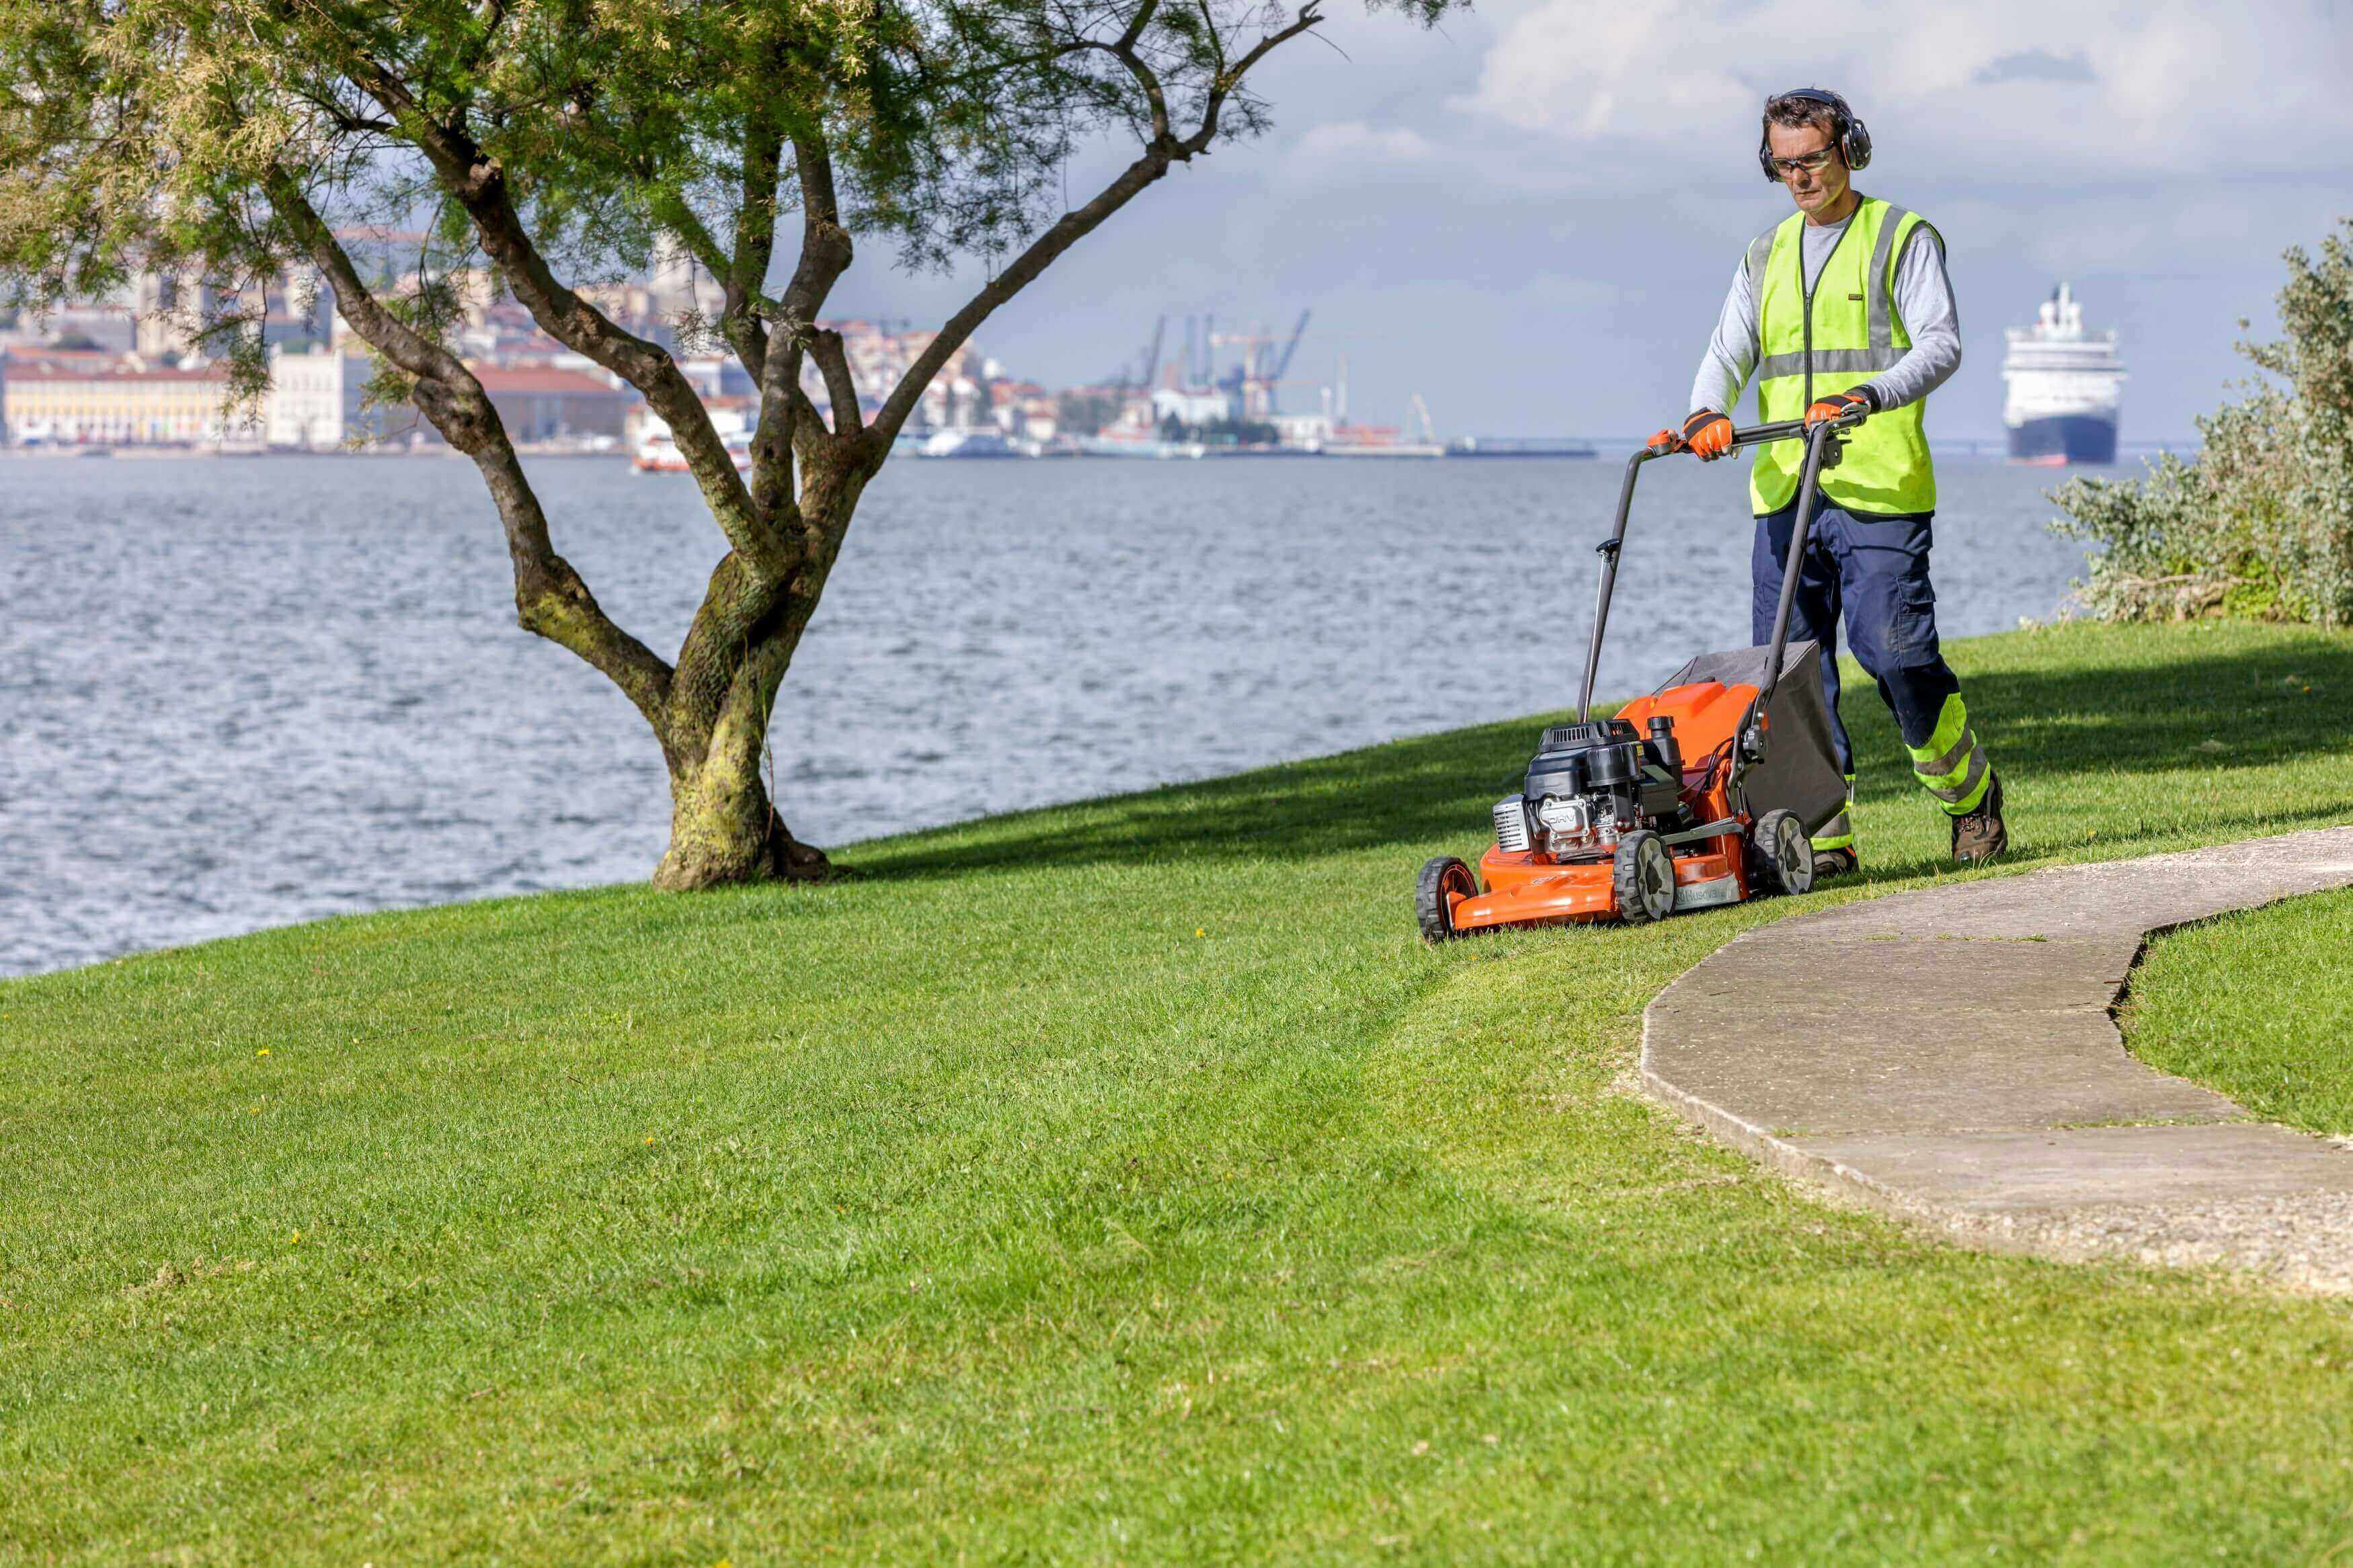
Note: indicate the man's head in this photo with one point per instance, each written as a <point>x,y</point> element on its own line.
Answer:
<point>1810,136</point>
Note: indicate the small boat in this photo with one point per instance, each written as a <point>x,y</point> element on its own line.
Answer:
<point>657,453</point>
<point>967,444</point>
<point>1517,446</point>
<point>1377,441</point>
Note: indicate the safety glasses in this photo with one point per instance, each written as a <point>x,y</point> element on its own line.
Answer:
<point>1812,163</point>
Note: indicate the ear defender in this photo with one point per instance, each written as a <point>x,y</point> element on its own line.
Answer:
<point>1852,135</point>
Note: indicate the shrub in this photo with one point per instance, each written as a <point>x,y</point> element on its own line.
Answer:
<point>2260,527</point>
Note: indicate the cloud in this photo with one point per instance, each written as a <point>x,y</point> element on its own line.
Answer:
<point>1350,151</point>
<point>2043,94</point>
<point>2036,65</point>
<point>1529,214</point>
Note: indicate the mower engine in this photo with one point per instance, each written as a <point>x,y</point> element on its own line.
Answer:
<point>1590,785</point>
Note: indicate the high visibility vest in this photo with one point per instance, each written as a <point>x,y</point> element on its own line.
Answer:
<point>1843,333</point>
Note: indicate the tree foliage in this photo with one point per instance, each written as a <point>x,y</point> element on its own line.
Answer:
<point>2261,525</point>
<point>553,143</point>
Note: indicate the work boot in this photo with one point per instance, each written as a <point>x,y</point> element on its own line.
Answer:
<point>1836,863</point>
<point>1978,836</point>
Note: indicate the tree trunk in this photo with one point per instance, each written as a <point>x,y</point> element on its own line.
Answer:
<point>723,829</point>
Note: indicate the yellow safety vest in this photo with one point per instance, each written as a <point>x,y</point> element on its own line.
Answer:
<point>1846,332</point>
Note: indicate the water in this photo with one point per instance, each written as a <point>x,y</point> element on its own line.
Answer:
<point>237,693</point>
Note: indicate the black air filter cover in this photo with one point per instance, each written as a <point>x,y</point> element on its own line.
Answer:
<point>1577,737</point>
<point>1575,758</point>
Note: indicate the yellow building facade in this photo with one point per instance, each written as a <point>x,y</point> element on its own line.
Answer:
<point>116,403</point>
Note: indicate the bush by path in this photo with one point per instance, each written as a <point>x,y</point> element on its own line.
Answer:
<point>2261,526</point>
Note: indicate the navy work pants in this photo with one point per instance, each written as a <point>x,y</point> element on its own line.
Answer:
<point>1874,571</point>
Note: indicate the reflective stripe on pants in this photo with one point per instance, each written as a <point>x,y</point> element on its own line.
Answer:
<point>1952,766</point>
<point>1838,832</point>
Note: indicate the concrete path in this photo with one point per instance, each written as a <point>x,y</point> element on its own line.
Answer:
<point>1947,1055</point>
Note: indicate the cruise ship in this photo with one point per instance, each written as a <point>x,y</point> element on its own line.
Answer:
<point>2064,387</point>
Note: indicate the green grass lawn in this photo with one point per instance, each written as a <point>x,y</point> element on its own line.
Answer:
<point>2258,1005</point>
<point>1116,1182</point>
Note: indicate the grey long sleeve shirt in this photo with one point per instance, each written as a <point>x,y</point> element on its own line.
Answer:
<point>1924,303</point>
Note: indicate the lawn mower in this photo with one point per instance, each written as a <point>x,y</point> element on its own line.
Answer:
<point>1706,791</point>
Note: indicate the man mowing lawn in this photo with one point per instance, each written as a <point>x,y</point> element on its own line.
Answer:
<point>1850,285</point>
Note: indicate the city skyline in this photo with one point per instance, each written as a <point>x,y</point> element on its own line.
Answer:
<point>1531,218</point>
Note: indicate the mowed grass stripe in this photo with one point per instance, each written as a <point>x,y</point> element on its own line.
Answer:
<point>1116,1182</point>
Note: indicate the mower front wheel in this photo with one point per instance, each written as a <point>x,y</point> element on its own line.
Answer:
<point>1780,854</point>
<point>1643,877</point>
<point>1444,882</point>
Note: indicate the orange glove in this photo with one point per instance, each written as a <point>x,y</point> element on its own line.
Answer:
<point>1709,434</point>
<point>1839,403</point>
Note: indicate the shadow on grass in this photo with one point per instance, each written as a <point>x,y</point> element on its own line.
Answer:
<point>2098,713</point>
<point>1406,791</point>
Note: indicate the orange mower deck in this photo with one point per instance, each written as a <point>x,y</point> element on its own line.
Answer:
<point>1529,888</point>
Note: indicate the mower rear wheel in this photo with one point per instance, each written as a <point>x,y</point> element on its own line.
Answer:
<point>1643,877</point>
<point>1443,881</point>
<point>1780,854</point>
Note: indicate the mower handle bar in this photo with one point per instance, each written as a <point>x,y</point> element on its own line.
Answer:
<point>1755,435</point>
<point>1817,437</point>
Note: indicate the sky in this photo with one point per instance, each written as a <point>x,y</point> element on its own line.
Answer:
<point>1530,215</point>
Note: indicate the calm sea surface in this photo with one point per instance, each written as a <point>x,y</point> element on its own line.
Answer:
<point>240,692</point>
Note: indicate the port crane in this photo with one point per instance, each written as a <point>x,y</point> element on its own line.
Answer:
<point>1252,384</point>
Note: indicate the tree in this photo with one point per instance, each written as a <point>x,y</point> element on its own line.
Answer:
<point>556,142</point>
<point>2261,526</point>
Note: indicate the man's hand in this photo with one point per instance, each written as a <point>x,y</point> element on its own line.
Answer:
<point>1709,434</point>
<point>1839,403</point>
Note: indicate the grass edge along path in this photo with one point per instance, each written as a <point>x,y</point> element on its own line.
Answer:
<point>2257,1004</point>
<point>1117,1182</point>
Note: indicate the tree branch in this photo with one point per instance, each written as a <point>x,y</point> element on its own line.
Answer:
<point>826,248</point>
<point>1060,235</point>
<point>781,400</point>
<point>825,254</point>
<point>690,231</point>
<point>551,599</point>
<point>755,240</point>
<point>1209,22</point>
<point>478,183</point>
<point>1124,50</point>
<point>1162,150</point>
<point>1231,77</point>
<point>840,390</point>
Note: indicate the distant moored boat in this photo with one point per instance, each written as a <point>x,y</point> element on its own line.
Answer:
<point>2065,388</point>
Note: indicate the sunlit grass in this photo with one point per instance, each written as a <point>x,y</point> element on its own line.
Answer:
<point>1123,1182</point>
<point>2259,1006</point>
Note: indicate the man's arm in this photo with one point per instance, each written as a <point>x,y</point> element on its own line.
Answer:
<point>1732,352</point>
<point>1923,298</point>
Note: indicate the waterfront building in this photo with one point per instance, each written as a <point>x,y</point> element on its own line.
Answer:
<point>547,405</point>
<point>103,326</point>
<point>1191,406</point>
<point>90,400</point>
<point>316,400</point>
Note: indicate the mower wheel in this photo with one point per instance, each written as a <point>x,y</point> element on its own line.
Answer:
<point>1643,877</point>
<point>1443,880</point>
<point>1781,855</point>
